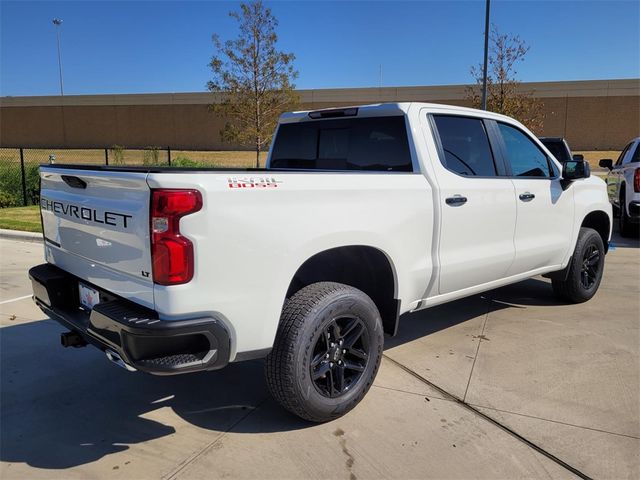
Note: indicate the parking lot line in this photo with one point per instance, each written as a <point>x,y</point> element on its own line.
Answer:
<point>15,299</point>
<point>491,420</point>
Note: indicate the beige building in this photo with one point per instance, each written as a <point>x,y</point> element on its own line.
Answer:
<point>592,115</point>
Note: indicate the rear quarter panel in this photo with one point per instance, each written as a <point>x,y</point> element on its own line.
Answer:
<point>251,237</point>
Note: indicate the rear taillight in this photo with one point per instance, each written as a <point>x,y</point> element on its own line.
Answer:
<point>636,180</point>
<point>171,253</point>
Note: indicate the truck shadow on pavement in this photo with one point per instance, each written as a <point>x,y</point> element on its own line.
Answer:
<point>529,293</point>
<point>617,241</point>
<point>61,408</point>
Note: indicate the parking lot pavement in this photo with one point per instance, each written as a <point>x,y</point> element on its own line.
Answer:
<point>15,288</point>
<point>15,259</point>
<point>565,378</point>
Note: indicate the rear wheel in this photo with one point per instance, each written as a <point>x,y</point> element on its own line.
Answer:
<point>585,269</point>
<point>327,351</point>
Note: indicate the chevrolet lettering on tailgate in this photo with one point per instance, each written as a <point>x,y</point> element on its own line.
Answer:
<point>85,213</point>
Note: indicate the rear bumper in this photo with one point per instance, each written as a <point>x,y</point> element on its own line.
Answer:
<point>134,333</point>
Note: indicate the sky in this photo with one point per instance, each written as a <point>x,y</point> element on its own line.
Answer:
<point>165,46</point>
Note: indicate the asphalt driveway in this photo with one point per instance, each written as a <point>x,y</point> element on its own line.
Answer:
<point>508,384</point>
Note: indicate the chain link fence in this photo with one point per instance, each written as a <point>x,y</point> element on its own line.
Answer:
<point>20,178</point>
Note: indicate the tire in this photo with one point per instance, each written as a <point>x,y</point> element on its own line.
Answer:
<point>307,361</point>
<point>627,229</point>
<point>585,269</point>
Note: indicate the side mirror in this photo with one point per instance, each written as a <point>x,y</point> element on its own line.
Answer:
<point>575,170</point>
<point>578,157</point>
<point>606,163</point>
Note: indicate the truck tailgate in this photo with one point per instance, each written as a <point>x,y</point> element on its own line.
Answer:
<point>96,226</point>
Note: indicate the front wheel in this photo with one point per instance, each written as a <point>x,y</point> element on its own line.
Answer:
<point>327,351</point>
<point>585,269</point>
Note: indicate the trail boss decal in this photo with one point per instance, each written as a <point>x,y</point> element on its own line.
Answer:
<point>85,213</point>
<point>253,182</point>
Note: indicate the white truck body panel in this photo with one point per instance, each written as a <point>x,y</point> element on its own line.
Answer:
<point>249,241</point>
<point>542,228</point>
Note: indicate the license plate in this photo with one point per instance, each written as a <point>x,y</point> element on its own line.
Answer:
<point>89,297</point>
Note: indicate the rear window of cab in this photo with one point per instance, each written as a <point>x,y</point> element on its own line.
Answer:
<point>370,143</point>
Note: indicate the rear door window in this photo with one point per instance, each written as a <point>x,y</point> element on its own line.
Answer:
<point>465,146</point>
<point>374,143</point>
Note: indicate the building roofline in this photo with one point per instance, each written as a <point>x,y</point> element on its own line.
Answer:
<point>579,88</point>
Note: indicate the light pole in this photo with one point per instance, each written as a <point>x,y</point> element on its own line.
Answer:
<point>57,22</point>
<point>486,55</point>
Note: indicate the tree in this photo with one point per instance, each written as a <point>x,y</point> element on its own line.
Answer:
<point>504,94</point>
<point>253,79</point>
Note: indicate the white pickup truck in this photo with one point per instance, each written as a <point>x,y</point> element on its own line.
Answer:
<point>361,215</point>
<point>623,185</point>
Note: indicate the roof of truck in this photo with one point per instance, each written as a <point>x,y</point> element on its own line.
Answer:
<point>380,109</point>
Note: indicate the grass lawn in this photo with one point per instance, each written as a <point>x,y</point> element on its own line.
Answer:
<point>21,218</point>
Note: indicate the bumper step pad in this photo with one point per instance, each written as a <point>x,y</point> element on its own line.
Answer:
<point>171,361</point>
<point>135,333</point>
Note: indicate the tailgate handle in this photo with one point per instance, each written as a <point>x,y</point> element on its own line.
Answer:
<point>74,182</point>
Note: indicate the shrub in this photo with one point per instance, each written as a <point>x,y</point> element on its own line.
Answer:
<point>116,155</point>
<point>9,200</point>
<point>32,180</point>
<point>11,185</point>
<point>182,161</point>
<point>151,156</point>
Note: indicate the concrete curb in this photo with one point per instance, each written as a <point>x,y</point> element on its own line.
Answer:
<point>20,236</point>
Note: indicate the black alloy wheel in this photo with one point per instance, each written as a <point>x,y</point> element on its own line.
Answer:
<point>327,351</point>
<point>581,278</point>
<point>340,356</point>
<point>589,273</point>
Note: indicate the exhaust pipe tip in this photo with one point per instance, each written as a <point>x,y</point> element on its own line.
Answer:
<point>72,339</point>
<point>117,359</point>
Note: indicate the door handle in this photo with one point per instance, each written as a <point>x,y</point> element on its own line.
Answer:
<point>527,196</point>
<point>456,200</point>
